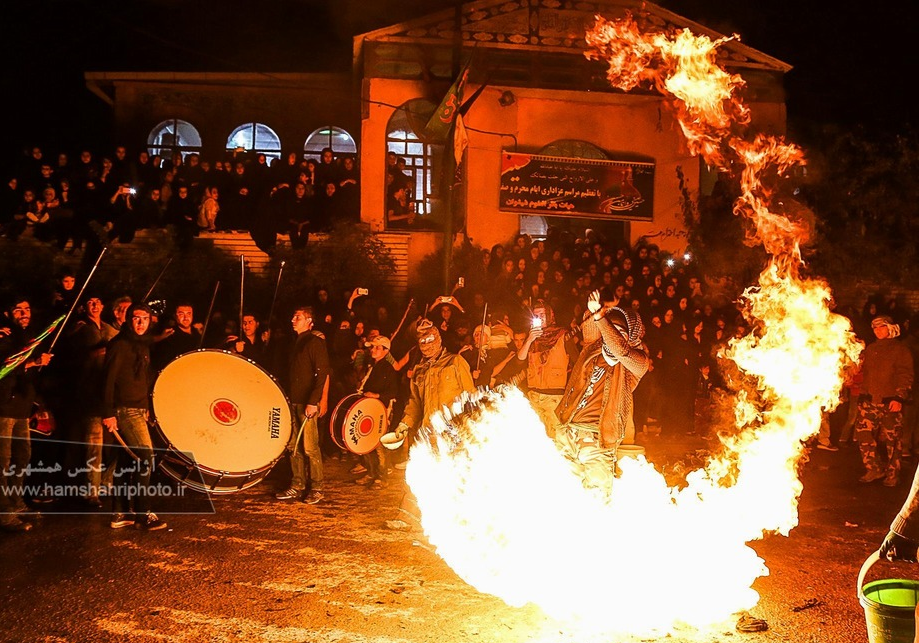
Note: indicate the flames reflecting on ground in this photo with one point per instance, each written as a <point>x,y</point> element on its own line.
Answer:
<point>504,510</point>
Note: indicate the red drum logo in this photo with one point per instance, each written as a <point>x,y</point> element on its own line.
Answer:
<point>365,426</point>
<point>225,412</point>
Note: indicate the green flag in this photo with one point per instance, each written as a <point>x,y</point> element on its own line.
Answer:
<point>442,119</point>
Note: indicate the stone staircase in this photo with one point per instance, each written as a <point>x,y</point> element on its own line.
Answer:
<point>147,242</point>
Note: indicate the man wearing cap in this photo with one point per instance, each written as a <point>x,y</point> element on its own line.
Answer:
<point>596,409</point>
<point>381,382</point>
<point>887,377</point>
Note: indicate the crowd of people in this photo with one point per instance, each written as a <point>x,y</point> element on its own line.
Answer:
<point>582,325</point>
<point>100,198</point>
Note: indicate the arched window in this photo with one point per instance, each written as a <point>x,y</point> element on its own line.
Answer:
<point>257,138</point>
<point>332,137</point>
<point>420,173</point>
<point>173,137</point>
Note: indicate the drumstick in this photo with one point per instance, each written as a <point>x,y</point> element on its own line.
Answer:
<point>399,327</point>
<point>277,287</point>
<point>75,301</point>
<point>242,283</point>
<point>162,272</point>
<point>121,441</point>
<point>208,318</point>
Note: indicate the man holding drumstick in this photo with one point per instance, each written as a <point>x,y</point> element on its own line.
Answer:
<point>308,372</point>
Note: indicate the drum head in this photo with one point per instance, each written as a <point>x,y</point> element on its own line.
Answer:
<point>222,409</point>
<point>358,422</point>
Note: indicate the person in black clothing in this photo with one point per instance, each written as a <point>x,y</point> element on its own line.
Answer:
<point>298,212</point>
<point>125,409</point>
<point>182,212</point>
<point>181,338</point>
<point>250,344</point>
<point>17,396</point>
<point>307,374</point>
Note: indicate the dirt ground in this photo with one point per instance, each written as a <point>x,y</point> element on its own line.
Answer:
<point>260,570</point>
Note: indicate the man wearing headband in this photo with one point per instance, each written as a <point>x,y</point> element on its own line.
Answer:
<point>887,377</point>
<point>596,409</point>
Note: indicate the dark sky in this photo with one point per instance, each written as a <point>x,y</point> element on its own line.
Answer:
<point>852,61</point>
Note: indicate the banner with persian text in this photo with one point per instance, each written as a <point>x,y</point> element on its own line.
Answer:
<point>535,184</point>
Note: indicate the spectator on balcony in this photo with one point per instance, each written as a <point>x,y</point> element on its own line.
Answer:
<point>209,210</point>
<point>349,190</point>
<point>148,210</point>
<point>327,170</point>
<point>297,214</point>
<point>145,174</point>
<point>120,166</point>
<point>181,212</point>
<point>239,200</point>
<point>86,169</point>
<point>122,223</point>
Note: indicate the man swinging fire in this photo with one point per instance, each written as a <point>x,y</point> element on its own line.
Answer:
<point>596,409</point>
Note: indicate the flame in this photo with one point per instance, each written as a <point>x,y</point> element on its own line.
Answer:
<point>506,512</point>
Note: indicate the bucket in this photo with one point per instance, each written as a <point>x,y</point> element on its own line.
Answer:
<point>890,606</point>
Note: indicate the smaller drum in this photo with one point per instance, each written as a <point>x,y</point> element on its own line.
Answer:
<point>358,422</point>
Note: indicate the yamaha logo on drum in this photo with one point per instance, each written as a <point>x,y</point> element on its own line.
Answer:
<point>274,421</point>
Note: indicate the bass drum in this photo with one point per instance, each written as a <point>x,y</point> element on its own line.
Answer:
<point>224,421</point>
<point>358,422</point>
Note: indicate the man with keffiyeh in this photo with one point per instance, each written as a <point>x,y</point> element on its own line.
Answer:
<point>596,409</point>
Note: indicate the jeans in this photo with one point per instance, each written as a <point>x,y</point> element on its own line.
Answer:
<point>132,476</point>
<point>15,453</point>
<point>305,456</point>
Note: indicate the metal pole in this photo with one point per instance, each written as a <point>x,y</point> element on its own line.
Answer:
<point>207,319</point>
<point>76,301</point>
<point>277,287</point>
<point>162,272</point>
<point>411,302</point>
<point>242,284</point>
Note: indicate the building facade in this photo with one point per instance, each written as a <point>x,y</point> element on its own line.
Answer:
<point>542,115</point>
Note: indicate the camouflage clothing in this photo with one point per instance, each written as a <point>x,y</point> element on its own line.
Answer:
<point>878,432</point>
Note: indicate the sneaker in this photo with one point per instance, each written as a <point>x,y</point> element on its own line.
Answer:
<point>827,446</point>
<point>401,465</point>
<point>313,497</point>
<point>364,480</point>
<point>149,522</point>
<point>121,520</point>
<point>378,484</point>
<point>871,476</point>
<point>358,468</point>
<point>289,494</point>
<point>891,481</point>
